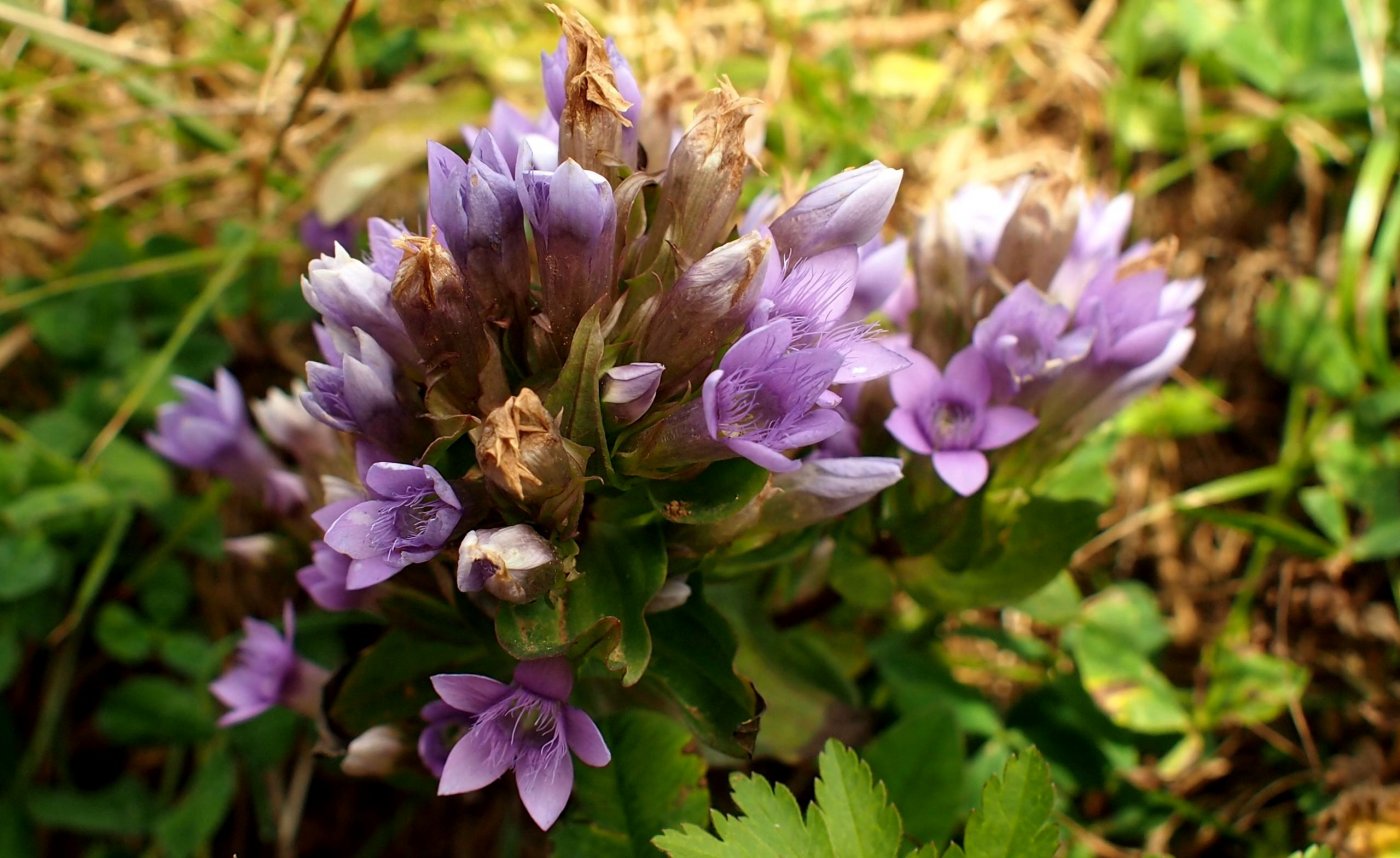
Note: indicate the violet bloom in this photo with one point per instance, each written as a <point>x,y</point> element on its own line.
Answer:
<point>627,391</point>
<point>355,392</point>
<point>525,726</point>
<point>849,208</point>
<point>407,519</point>
<point>1133,318</point>
<point>268,673</point>
<point>326,579</point>
<point>209,431</point>
<point>765,399</point>
<point>1023,340</point>
<point>446,726</point>
<point>814,295</point>
<point>948,416</point>
<point>350,294</point>
<point>882,272</point>
<point>823,489</point>
<point>1096,246</point>
<point>385,252</point>
<point>509,127</point>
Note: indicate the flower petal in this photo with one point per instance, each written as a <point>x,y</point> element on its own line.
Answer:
<point>353,533</point>
<point>369,571</point>
<point>469,692</point>
<point>904,425</point>
<point>584,739</point>
<point>964,470</point>
<point>967,374</point>
<point>914,385</point>
<point>474,762</point>
<point>547,677</point>
<point>1005,424</point>
<point>545,778</point>
<point>762,456</point>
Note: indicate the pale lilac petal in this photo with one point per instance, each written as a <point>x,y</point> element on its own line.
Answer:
<point>904,425</point>
<point>814,427</point>
<point>468,691</point>
<point>393,479</point>
<point>1004,425</point>
<point>474,762</point>
<point>867,360</point>
<point>759,346</point>
<point>964,470</point>
<point>914,385</point>
<point>545,779</point>
<point>584,739</point>
<point>967,374</point>
<point>352,534</point>
<point>762,456</point>
<point>367,572</point>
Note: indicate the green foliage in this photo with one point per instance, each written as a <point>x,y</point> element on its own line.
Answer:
<point>1015,817</point>
<point>655,781</point>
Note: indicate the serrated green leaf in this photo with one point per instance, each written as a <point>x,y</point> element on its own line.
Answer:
<point>850,816</point>
<point>655,781</point>
<point>1015,819</point>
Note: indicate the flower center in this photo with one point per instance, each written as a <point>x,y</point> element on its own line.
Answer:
<point>952,425</point>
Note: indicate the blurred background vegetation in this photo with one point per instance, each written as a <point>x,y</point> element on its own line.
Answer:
<point>1228,688</point>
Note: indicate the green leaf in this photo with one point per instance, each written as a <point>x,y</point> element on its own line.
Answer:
<point>1378,542</point>
<point>851,816</point>
<point>122,633</point>
<point>1249,688</point>
<point>389,681</point>
<point>28,564</point>
<point>1301,339</point>
<point>1015,819</point>
<point>622,569</point>
<point>693,665</point>
<point>1288,534</point>
<point>1037,546</point>
<point>65,507</point>
<point>1327,512</point>
<point>133,473</point>
<point>153,710</point>
<point>721,490</point>
<point>655,781</point>
<point>187,828</point>
<point>575,395</point>
<point>1174,412</point>
<point>124,809</point>
<point>920,759</point>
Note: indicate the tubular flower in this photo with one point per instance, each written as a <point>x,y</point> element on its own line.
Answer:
<point>525,726</point>
<point>269,673</point>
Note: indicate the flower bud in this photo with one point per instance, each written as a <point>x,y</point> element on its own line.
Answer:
<point>594,115</point>
<point>497,262</point>
<point>1038,236</point>
<point>629,390</point>
<point>825,488</point>
<point>431,298</point>
<point>674,593</point>
<point>447,209</point>
<point>704,177</point>
<point>374,753</point>
<point>514,564</point>
<point>522,453</point>
<point>290,426</point>
<point>705,308</point>
<point>848,208</point>
<point>574,219</point>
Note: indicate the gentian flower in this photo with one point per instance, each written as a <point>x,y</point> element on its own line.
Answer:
<point>509,128</point>
<point>765,399</point>
<point>949,416</point>
<point>1023,340</point>
<point>446,725</point>
<point>555,67</point>
<point>849,208</point>
<point>268,673</point>
<point>208,430</point>
<point>326,578</point>
<point>407,519</point>
<point>356,392</point>
<point>627,391</point>
<point>824,488</point>
<point>525,726</point>
<point>350,294</point>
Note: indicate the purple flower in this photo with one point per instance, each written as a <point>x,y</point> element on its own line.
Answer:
<point>350,294</point>
<point>509,127</point>
<point>407,519</point>
<point>1022,340</point>
<point>978,215</point>
<point>446,726</point>
<point>447,205</point>
<point>326,579</point>
<point>1096,245</point>
<point>823,489</point>
<point>627,391</point>
<point>849,208</point>
<point>948,416</point>
<point>573,215</point>
<point>814,295</point>
<point>1133,318</point>
<point>208,430</point>
<point>356,392</point>
<point>883,271</point>
<point>385,252</point>
<point>525,726</point>
<point>766,399</point>
<point>268,673</point>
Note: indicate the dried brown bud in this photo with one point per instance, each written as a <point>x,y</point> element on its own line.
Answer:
<point>1039,234</point>
<point>521,451</point>
<point>704,177</point>
<point>431,298</point>
<point>590,128</point>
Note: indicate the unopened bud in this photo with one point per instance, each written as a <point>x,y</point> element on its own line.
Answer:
<point>629,390</point>
<point>1039,234</point>
<point>705,308</point>
<point>593,118</point>
<point>848,208</point>
<point>374,753</point>
<point>522,453</point>
<point>514,564</point>
<point>431,297</point>
<point>674,593</point>
<point>704,177</point>
<point>497,263</point>
<point>825,488</point>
